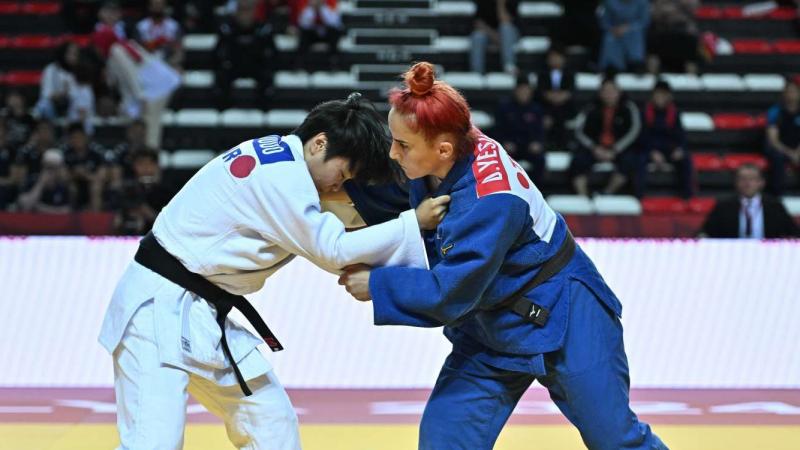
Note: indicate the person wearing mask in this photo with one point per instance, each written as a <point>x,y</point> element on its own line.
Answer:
<point>606,131</point>
<point>53,191</point>
<point>749,214</point>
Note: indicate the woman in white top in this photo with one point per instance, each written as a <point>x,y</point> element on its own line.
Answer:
<point>57,81</point>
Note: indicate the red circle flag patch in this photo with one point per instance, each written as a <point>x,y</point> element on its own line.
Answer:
<point>242,166</point>
<point>522,180</point>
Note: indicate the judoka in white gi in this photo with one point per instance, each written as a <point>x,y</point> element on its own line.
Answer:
<point>244,215</point>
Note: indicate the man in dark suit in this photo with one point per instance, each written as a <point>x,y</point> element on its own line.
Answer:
<point>749,214</point>
<point>554,86</point>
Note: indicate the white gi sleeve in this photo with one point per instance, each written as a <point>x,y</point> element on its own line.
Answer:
<point>294,221</point>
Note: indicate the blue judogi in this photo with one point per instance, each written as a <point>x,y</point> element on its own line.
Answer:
<point>496,236</point>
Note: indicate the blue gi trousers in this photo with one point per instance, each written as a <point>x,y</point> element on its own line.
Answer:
<point>587,379</point>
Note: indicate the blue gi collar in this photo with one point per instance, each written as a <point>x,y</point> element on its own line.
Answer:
<point>419,189</point>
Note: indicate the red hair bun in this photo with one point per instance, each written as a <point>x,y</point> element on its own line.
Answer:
<point>420,78</point>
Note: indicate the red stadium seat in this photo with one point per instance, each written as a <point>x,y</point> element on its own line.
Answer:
<point>752,46</point>
<point>22,78</point>
<point>663,205</point>
<point>783,13</point>
<point>41,9</point>
<point>5,42</point>
<point>734,121</point>
<point>33,41</point>
<point>787,46</point>
<point>707,162</point>
<point>81,39</point>
<point>9,8</point>
<point>702,205</point>
<point>734,160</point>
<point>708,12</point>
<point>733,12</point>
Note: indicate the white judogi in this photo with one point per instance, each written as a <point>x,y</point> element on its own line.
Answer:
<point>237,221</point>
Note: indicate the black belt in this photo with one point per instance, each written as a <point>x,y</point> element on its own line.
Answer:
<point>153,256</point>
<point>522,306</point>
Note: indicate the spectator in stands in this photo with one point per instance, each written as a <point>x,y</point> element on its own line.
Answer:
<point>554,87</point>
<point>90,167</point>
<point>749,214</point>
<point>606,131</point>
<point>58,80</point>
<point>8,186</point>
<point>624,25</point>
<point>245,48</point>
<point>673,37</point>
<point>144,195</point>
<point>144,81</point>
<point>783,136</point>
<point>519,128</point>
<point>319,22</point>
<point>52,192</point>
<point>19,123</point>
<point>160,34</point>
<point>134,141</point>
<point>28,162</point>
<point>81,97</point>
<point>494,21</point>
<point>663,142</point>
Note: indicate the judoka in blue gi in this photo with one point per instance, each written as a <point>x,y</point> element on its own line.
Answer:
<point>497,236</point>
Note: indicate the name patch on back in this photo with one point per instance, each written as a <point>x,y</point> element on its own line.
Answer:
<point>271,149</point>
<point>490,175</point>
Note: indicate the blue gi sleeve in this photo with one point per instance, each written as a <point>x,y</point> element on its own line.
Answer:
<point>455,286</point>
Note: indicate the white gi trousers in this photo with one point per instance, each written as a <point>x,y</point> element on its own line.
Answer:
<point>165,345</point>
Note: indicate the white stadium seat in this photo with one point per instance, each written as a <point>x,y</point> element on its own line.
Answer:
<point>501,81</point>
<point>722,82</point>
<point>244,83</point>
<point>284,118</point>
<point>557,161</point>
<point>197,118</point>
<point>533,44</point>
<point>297,79</point>
<point>333,80</point>
<point>540,9</point>
<point>168,118</point>
<point>764,82</point>
<point>198,78</point>
<point>792,205</point>
<point>571,204</point>
<point>617,204</point>
<point>242,118</point>
<point>464,80</point>
<point>697,121</point>
<point>451,44</point>
<point>683,82</point>
<point>191,159</point>
<point>199,42</point>
<point>633,82</point>
<point>587,81</point>
<point>482,120</point>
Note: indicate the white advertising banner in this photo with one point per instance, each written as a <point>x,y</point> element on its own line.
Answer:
<point>697,314</point>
